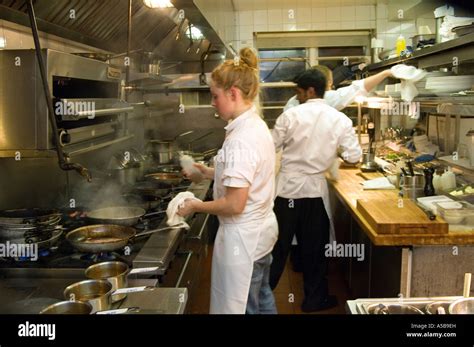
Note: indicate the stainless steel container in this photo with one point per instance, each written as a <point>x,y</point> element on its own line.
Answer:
<point>413,186</point>
<point>432,308</point>
<point>127,176</point>
<point>68,307</point>
<point>462,306</point>
<point>115,272</point>
<point>161,151</point>
<point>393,309</point>
<point>96,292</point>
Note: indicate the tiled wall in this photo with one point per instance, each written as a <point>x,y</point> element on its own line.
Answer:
<point>380,16</point>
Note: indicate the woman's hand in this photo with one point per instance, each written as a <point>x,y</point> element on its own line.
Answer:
<point>187,208</point>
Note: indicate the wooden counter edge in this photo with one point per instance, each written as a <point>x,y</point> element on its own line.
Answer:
<point>452,238</point>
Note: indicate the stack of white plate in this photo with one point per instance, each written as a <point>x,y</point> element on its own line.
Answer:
<point>421,84</point>
<point>449,84</point>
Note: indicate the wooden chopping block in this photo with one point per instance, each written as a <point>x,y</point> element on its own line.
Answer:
<point>386,217</point>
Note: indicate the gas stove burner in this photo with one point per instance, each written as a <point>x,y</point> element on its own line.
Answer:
<point>99,257</point>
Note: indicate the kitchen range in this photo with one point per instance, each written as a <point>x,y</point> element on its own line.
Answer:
<point>174,255</point>
<point>100,113</point>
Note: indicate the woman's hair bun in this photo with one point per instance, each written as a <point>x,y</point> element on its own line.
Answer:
<point>248,56</point>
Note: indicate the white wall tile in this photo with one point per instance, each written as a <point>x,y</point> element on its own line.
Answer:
<point>303,15</point>
<point>289,14</point>
<point>363,24</point>
<point>348,13</point>
<point>381,11</point>
<point>274,17</point>
<point>348,25</point>
<point>275,27</point>
<point>318,26</point>
<point>289,26</point>
<point>381,26</point>
<point>260,28</point>
<point>246,18</point>
<point>303,26</point>
<point>318,14</point>
<point>260,17</point>
<point>362,13</point>
<point>246,32</point>
<point>333,25</point>
<point>333,14</point>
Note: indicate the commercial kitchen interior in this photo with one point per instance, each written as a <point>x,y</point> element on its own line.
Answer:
<point>144,70</point>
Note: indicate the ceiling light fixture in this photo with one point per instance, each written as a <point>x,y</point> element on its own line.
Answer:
<point>158,3</point>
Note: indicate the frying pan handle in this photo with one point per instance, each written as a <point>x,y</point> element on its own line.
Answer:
<point>176,226</point>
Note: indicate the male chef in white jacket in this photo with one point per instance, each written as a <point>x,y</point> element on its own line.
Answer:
<point>309,136</point>
<point>339,99</point>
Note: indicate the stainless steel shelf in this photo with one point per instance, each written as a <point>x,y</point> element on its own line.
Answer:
<point>439,54</point>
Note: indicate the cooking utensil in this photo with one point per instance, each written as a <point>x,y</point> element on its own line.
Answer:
<point>98,293</point>
<point>168,169</point>
<point>462,306</point>
<point>36,216</point>
<point>152,189</point>
<point>95,292</point>
<point>393,309</point>
<point>116,215</point>
<point>435,306</point>
<point>116,273</point>
<point>170,179</point>
<point>119,215</point>
<point>429,213</point>
<point>161,150</point>
<point>68,307</point>
<point>106,237</point>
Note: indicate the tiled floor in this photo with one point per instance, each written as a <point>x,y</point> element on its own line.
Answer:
<point>288,294</point>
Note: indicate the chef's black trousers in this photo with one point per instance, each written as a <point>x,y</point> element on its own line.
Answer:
<point>307,218</point>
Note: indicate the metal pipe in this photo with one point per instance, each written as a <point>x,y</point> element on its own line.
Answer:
<point>62,159</point>
<point>129,46</point>
<point>105,112</point>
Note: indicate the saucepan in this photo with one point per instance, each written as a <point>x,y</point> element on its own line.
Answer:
<point>107,237</point>
<point>98,293</point>
<point>116,272</point>
<point>68,307</point>
<point>119,215</point>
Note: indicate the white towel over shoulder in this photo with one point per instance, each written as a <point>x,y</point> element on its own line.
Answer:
<point>174,205</point>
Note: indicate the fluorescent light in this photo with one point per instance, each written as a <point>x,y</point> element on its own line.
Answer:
<point>3,42</point>
<point>158,3</point>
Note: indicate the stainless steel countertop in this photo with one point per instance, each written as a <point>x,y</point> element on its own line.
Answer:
<point>31,295</point>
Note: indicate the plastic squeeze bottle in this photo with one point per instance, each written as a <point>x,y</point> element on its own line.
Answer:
<point>187,163</point>
<point>401,45</point>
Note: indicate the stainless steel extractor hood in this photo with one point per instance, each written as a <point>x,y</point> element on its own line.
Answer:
<point>104,24</point>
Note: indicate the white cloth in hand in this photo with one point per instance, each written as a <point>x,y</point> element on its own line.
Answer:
<point>173,207</point>
<point>409,76</point>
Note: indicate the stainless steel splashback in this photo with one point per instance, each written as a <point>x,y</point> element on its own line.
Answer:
<point>72,79</point>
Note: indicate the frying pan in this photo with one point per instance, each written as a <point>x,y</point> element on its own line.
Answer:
<point>167,178</point>
<point>119,215</point>
<point>151,189</point>
<point>106,237</point>
<point>28,216</point>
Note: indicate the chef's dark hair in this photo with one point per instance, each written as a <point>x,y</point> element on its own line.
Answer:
<point>312,78</point>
